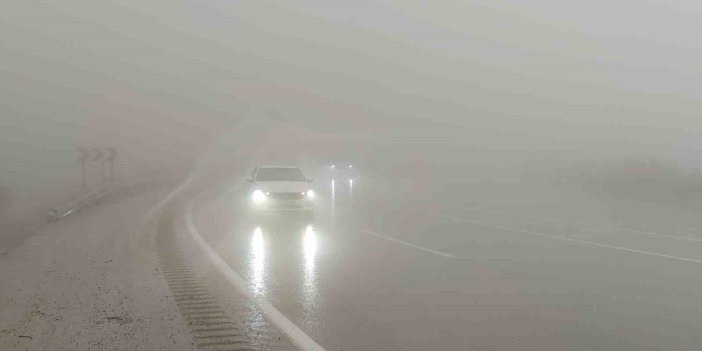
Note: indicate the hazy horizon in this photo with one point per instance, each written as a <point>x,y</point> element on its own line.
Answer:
<point>507,80</point>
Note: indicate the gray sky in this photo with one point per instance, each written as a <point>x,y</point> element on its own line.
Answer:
<point>159,79</point>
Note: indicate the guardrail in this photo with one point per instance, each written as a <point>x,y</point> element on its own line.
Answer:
<point>83,201</point>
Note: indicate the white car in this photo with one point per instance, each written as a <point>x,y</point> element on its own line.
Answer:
<point>280,188</point>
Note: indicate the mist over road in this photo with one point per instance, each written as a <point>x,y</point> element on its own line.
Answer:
<point>380,268</point>
<point>525,176</point>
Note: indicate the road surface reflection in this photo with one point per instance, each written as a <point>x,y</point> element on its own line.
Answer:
<point>258,261</point>
<point>309,245</point>
<point>310,281</point>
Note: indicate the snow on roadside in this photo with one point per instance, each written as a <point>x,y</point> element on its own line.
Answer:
<point>75,286</point>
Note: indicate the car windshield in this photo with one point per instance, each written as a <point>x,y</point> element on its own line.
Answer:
<point>280,175</point>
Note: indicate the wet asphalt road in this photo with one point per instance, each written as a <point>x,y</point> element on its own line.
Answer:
<point>382,271</point>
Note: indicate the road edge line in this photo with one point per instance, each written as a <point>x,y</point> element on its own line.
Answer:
<point>594,225</point>
<point>298,337</point>
<point>556,237</point>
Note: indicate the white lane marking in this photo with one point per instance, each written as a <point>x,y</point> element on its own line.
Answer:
<point>632,231</point>
<point>298,337</point>
<point>443,254</point>
<point>584,242</point>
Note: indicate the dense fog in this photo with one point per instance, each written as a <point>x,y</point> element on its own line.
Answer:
<point>350,175</point>
<point>462,91</point>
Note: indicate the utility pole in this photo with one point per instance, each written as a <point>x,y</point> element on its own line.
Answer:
<point>111,156</point>
<point>84,154</point>
<point>97,157</point>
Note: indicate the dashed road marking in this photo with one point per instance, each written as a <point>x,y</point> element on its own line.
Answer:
<point>402,242</point>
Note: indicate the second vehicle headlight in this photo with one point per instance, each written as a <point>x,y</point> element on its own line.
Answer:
<point>258,196</point>
<point>310,194</point>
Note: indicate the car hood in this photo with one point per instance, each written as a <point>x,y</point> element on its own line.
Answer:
<point>283,187</point>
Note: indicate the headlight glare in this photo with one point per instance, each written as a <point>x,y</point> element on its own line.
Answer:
<point>310,194</point>
<point>258,196</point>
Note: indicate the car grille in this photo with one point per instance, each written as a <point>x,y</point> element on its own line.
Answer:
<point>286,196</point>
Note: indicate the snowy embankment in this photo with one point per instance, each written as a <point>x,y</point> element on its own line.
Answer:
<point>90,282</point>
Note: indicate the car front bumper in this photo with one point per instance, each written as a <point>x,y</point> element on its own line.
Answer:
<point>284,205</point>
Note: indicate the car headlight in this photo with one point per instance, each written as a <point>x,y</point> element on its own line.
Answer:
<point>310,194</point>
<point>258,196</point>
